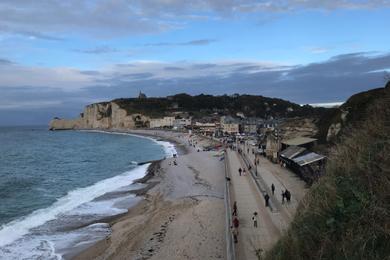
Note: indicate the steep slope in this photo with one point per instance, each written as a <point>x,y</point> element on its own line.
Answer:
<point>334,121</point>
<point>346,214</point>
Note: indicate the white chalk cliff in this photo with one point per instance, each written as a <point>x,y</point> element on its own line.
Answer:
<point>106,115</point>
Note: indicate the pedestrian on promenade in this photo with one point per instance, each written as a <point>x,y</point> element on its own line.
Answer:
<point>244,172</point>
<point>235,234</point>
<point>266,197</point>
<point>288,195</point>
<point>236,223</point>
<point>255,219</point>
<point>235,208</point>
<point>273,189</point>
<point>239,171</point>
<point>283,196</point>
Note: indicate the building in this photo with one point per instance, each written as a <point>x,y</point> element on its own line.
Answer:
<point>167,121</point>
<point>230,125</point>
<point>251,125</point>
<point>273,147</point>
<point>206,128</point>
<point>308,165</point>
<point>141,95</point>
<point>306,142</point>
<point>181,123</point>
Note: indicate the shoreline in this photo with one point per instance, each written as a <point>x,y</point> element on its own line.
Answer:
<point>146,225</point>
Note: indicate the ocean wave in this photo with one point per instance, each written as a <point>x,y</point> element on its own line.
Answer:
<point>17,229</point>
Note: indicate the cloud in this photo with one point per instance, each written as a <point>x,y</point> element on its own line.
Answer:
<point>200,42</point>
<point>64,91</point>
<point>97,50</point>
<point>318,50</point>
<point>56,19</point>
<point>5,62</point>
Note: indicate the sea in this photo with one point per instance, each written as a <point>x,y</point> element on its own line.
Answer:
<point>58,188</point>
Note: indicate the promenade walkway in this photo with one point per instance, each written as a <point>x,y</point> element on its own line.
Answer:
<point>250,200</point>
<point>269,173</point>
<point>248,191</point>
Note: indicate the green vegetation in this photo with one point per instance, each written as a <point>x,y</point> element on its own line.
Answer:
<point>356,106</point>
<point>203,105</point>
<point>346,214</point>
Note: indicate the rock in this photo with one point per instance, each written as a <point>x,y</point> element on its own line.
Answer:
<point>106,115</point>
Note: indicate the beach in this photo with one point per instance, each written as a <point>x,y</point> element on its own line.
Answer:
<point>182,213</point>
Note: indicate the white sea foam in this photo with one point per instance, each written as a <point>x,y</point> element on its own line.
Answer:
<point>20,227</point>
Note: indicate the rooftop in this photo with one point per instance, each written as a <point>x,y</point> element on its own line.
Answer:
<point>299,141</point>
<point>308,159</point>
<point>292,151</point>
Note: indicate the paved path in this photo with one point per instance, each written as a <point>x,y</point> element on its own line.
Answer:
<point>247,191</point>
<point>249,200</point>
<point>270,173</point>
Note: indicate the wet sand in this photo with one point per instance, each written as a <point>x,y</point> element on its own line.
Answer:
<point>182,213</point>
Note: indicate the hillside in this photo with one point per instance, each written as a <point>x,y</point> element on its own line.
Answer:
<point>334,121</point>
<point>346,214</point>
<point>201,105</point>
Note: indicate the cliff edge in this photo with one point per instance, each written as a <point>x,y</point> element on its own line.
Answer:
<point>106,115</point>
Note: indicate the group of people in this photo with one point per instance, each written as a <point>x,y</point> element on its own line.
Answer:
<point>286,195</point>
<point>236,222</point>
<point>242,171</point>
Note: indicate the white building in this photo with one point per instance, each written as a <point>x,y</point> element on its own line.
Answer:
<point>167,121</point>
<point>182,122</point>
<point>230,125</point>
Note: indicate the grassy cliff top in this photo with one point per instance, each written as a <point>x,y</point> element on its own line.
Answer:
<point>203,105</point>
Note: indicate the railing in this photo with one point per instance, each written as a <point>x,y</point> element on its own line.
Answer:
<point>230,250</point>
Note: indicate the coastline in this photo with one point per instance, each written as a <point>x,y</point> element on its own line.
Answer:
<point>181,205</point>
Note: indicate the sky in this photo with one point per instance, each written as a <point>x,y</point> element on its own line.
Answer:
<point>58,56</point>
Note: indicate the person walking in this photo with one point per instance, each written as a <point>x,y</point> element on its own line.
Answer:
<point>283,196</point>
<point>239,171</point>
<point>235,208</point>
<point>273,189</point>
<point>266,198</point>
<point>235,234</point>
<point>244,172</point>
<point>288,196</point>
<point>255,219</point>
<point>236,223</point>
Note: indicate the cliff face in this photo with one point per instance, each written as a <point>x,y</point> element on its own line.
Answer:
<point>106,115</point>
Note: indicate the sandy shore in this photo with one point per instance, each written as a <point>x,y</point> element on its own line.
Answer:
<point>182,213</point>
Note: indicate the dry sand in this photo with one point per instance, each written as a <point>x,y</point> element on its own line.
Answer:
<point>181,217</point>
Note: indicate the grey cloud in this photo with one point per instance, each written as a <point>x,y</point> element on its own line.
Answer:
<point>90,72</point>
<point>171,68</point>
<point>97,50</point>
<point>204,66</point>
<point>47,19</point>
<point>41,36</point>
<point>5,62</point>
<point>332,80</point>
<point>199,42</point>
